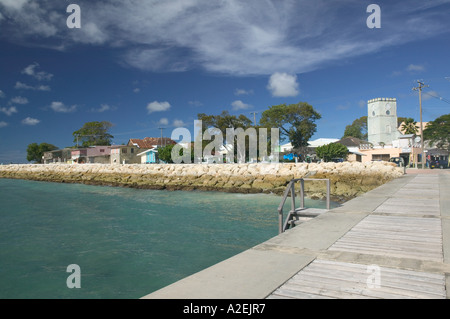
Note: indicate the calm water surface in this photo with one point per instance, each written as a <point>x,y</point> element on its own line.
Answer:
<point>127,242</point>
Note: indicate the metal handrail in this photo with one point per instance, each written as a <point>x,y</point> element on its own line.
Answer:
<point>290,188</point>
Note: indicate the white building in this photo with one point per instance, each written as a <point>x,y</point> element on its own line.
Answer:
<point>382,121</point>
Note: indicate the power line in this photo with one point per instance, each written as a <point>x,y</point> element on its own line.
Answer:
<point>438,97</point>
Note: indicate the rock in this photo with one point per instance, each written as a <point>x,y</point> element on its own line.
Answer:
<point>346,179</point>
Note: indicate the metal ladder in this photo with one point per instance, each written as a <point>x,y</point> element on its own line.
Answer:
<point>295,213</point>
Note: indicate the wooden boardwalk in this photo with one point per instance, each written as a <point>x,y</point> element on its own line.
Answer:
<point>406,226</point>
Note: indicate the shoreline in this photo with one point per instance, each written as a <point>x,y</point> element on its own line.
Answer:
<point>347,180</point>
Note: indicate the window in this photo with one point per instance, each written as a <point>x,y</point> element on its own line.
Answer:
<point>124,151</point>
<point>132,150</point>
<point>381,157</point>
<point>102,150</point>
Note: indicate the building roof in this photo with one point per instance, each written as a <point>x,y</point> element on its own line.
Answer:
<point>150,142</point>
<point>355,150</point>
<point>154,150</point>
<point>322,141</point>
<point>351,141</point>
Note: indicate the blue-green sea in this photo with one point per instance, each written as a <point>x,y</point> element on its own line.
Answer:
<point>126,242</point>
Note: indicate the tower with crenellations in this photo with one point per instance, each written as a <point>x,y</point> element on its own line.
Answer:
<point>382,121</point>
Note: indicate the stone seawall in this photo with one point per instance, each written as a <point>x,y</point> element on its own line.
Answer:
<point>347,179</point>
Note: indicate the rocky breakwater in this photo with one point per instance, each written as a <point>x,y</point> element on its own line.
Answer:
<point>347,179</point>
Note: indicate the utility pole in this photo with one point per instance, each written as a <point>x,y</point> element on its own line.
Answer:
<point>161,141</point>
<point>254,117</point>
<point>419,88</point>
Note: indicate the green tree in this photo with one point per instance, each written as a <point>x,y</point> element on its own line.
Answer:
<point>438,132</point>
<point>357,129</point>
<point>400,120</point>
<point>295,121</point>
<point>93,133</point>
<point>223,121</point>
<point>165,153</point>
<point>409,126</point>
<point>36,151</point>
<point>333,150</point>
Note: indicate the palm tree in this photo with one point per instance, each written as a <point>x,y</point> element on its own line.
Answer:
<point>409,126</point>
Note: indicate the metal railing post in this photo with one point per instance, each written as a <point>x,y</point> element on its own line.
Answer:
<point>328,194</point>
<point>302,193</point>
<point>280,221</point>
<point>293,197</point>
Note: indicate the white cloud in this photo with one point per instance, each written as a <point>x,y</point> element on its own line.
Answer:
<point>3,124</point>
<point>2,94</point>
<point>13,4</point>
<point>163,121</point>
<point>8,111</point>
<point>39,75</point>
<point>283,85</point>
<point>178,123</point>
<point>415,68</point>
<point>136,90</point>
<point>243,92</point>
<point>102,108</point>
<point>90,33</point>
<point>61,108</point>
<point>157,106</point>
<point>19,100</point>
<point>239,105</point>
<point>251,37</point>
<point>20,85</point>
<point>30,121</point>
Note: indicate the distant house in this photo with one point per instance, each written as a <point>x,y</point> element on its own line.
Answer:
<point>150,142</point>
<point>353,145</point>
<point>125,154</point>
<point>58,156</point>
<point>149,156</point>
<point>91,155</point>
<point>79,155</point>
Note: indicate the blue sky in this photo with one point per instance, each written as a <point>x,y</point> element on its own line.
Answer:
<point>148,64</point>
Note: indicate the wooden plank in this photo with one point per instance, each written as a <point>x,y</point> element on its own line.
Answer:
<point>387,279</point>
<point>391,253</point>
<point>420,238</point>
<point>345,265</point>
<point>334,287</point>
<point>296,294</point>
<point>348,280</point>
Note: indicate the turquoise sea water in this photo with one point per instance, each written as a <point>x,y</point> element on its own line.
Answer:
<point>127,242</point>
